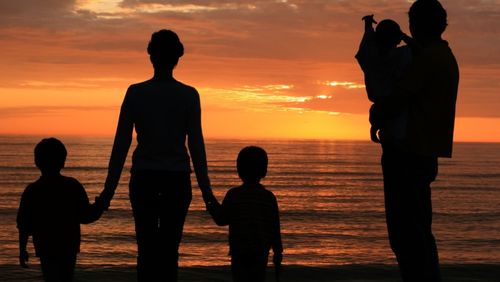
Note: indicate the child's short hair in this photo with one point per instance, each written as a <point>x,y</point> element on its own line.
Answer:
<point>252,164</point>
<point>388,33</point>
<point>50,155</point>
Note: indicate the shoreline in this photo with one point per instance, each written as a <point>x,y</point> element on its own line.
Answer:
<point>291,273</point>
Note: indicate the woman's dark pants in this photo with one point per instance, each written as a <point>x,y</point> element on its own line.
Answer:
<point>160,202</point>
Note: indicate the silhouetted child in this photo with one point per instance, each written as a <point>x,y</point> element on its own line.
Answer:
<point>252,214</point>
<point>51,211</point>
<point>383,63</point>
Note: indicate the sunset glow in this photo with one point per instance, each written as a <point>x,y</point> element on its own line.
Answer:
<point>265,69</point>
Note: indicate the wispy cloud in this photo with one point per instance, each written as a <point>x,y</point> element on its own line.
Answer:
<point>51,44</point>
<point>345,84</point>
<point>77,83</point>
<point>38,111</point>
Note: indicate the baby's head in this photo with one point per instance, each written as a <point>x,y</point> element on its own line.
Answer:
<point>388,34</point>
<point>252,164</point>
<point>50,156</point>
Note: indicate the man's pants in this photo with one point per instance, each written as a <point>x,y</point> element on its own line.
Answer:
<point>408,207</point>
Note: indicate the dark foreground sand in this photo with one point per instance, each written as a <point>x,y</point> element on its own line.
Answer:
<point>342,273</point>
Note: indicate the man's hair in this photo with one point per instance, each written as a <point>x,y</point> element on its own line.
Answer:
<point>50,155</point>
<point>252,164</point>
<point>428,17</point>
<point>165,48</point>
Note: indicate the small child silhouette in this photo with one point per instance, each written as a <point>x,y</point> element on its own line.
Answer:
<point>51,211</point>
<point>251,211</point>
<point>383,64</point>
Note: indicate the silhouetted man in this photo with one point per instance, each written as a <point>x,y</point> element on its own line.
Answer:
<point>429,91</point>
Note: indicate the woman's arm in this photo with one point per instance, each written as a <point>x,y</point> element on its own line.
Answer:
<point>196,144</point>
<point>121,145</point>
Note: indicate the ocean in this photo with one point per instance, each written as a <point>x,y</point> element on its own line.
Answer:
<point>329,192</point>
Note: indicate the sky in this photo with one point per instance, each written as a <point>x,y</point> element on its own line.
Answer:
<point>264,69</point>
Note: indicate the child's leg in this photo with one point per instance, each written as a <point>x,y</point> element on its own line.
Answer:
<point>58,269</point>
<point>249,268</point>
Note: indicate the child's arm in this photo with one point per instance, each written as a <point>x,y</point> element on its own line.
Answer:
<point>276,243</point>
<point>23,253</point>
<point>218,211</point>
<point>90,212</point>
<point>24,225</point>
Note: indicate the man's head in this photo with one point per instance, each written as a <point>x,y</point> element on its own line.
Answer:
<point>428,20</point>
<point>252,164</point>
<point>50,155</point>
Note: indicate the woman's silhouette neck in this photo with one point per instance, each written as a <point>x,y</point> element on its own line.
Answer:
<point>163,74</point>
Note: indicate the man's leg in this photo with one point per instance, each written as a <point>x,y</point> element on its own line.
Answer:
<point>408,206</point>
<point>424,172</point>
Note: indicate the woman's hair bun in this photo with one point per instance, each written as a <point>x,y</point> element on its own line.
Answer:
<point>165,43</point>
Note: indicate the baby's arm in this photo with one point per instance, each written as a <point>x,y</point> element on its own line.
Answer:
<point>369,21</point>
<point>375,121</point>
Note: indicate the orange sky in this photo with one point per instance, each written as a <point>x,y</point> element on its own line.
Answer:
<point>269,69</point>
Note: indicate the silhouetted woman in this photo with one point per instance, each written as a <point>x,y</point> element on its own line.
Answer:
<point>163,112</point>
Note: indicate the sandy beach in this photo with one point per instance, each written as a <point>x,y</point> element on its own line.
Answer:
<point>340,273</point>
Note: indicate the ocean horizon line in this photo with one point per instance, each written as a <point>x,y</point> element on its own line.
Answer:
<point>231,139</point>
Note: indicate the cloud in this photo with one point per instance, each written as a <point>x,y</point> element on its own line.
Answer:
<point>235,43</point>
<point>37,111</point>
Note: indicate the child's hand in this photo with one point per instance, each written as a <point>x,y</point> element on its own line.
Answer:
<point>369,19</point>
<point>23,258</point>
<point>374,134</point>
<point>101,204</point>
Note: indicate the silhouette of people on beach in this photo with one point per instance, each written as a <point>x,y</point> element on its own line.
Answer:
<point>428,92</point>
<point>251,211</point>
<point>164,112</point>
<point>51,210</point>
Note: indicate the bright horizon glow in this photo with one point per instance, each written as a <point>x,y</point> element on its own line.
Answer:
<point>269,70</point>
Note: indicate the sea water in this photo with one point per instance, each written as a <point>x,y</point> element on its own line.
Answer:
<point>329,192</point>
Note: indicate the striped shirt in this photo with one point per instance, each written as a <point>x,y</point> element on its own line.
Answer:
<point>252,213</point>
